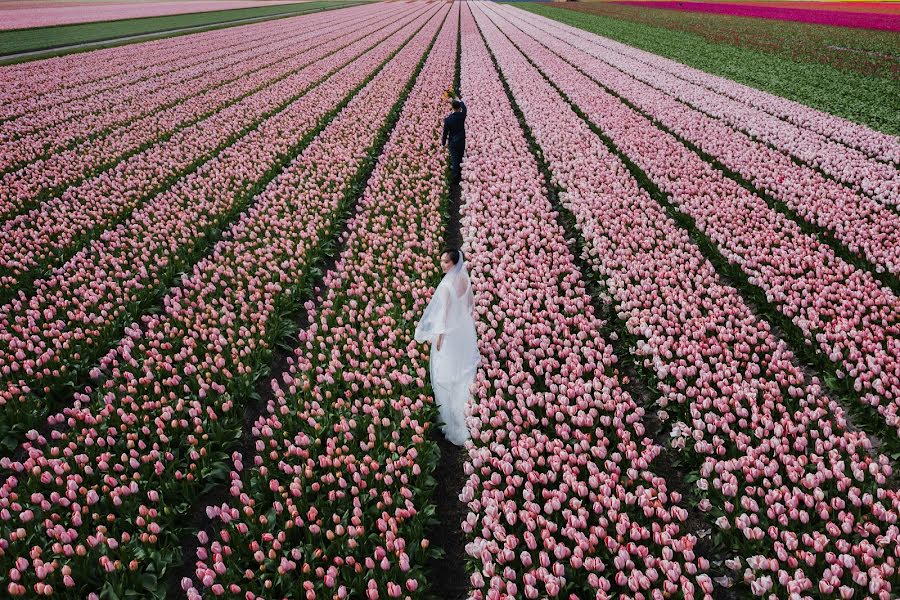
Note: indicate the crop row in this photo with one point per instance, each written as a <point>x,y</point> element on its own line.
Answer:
<point>24,189</point>
<point>833,15</point>
<point>849,316</point>
<point>85,119</point>
<point>65,121</point>
<point>44,237</point>
<point>42,84</point>
<point>862,224</point>
<point>780,42</point>
<point>793,494</point>
<point>818,87</point>
<point>853,167</point>
<point>16,17</point>
<point>51,338</point>
<point>100,504</point>
<point>337,500</point>
<point>880,146</point>
<point>562,497</point>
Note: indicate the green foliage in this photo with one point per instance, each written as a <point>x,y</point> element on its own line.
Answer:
<point>846,93</point>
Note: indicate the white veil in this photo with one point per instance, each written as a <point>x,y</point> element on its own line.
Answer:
<point>450,307</point>
<point>453,366</point>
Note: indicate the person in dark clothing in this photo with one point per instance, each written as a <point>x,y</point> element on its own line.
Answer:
<point>454,136</point>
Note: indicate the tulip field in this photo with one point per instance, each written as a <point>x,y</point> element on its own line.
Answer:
<point>16,14</point>
<point>214,250</point>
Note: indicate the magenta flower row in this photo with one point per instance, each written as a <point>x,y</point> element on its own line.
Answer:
<point>839,18</point>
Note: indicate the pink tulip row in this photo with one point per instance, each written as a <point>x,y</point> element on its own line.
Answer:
<point>97,502</point>
<point>846,312</point>
<point>84,116</point>
<point>118,108</point>
<point>52,338</point>
<point>43,84</point>
<point>848,165</point>
<point>23,189</point>
<point>880,146</point>
<point>862,224</point>
<point>336,501</point>
<point>791,491</point>
<point>562,500</point>
<point>42,238</point>
<point>22,14</point>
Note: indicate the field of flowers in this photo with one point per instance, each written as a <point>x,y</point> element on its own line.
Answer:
<point>20,15</point>
<point>802,14</point>
<point>814,65</point>
<point>215,249</point>
<point>715,385</point>
<point>868,52</point>
<point>59,27</point>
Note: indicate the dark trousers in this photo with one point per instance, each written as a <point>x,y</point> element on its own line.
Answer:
<point>456,155</point>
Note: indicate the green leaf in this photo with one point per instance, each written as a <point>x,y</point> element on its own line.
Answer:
<point>109,592</point>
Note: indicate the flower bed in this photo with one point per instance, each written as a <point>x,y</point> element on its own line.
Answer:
<point>83,116</point>
<point>876,144</point>
<point>843,162</point>
<point>38,241</point>
<point>864,226</point>
<point>99,505</point>
<point>562,496</point>
<point>55,336</point>
<point>850,317</point>
<point>48,164</point>
<point>68,77</point>
<point>794,495</point>
<point>866,53</point>
<point>838,18</point>
<point>337,498</point>
<point>21,15</point>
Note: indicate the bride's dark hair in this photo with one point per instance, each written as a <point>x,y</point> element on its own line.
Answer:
<point>453,253</point>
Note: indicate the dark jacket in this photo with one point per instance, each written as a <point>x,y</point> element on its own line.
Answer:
<point>455,127</point>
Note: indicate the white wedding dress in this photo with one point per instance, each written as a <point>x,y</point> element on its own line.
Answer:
<point>453,367</point>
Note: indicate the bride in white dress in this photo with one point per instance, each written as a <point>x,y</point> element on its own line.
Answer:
<point>448,324</point>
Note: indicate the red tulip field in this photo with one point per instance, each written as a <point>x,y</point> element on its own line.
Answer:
<point>215,248</point>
